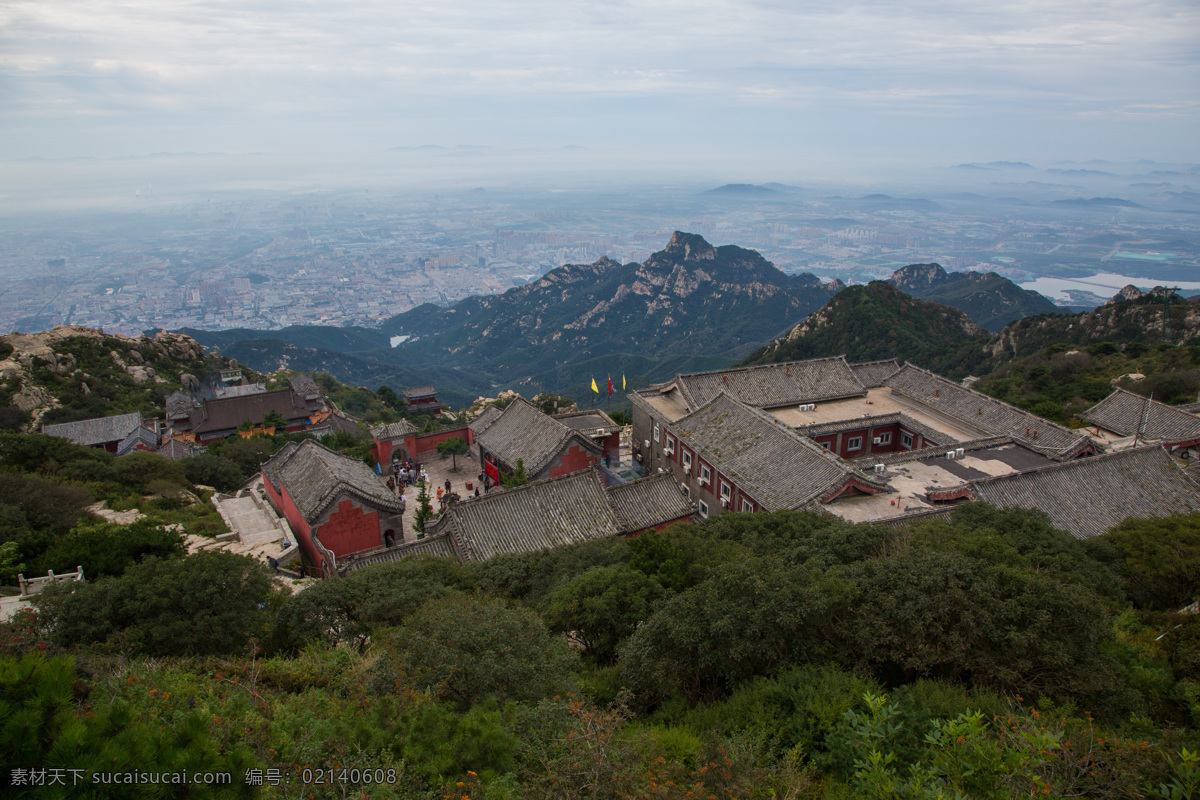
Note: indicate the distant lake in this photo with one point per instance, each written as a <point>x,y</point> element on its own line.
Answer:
<point>1105,284</point>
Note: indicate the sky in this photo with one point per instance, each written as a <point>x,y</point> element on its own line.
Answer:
<point>771,82</point>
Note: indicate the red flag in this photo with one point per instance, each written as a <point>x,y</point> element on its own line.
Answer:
<point>610,384</point>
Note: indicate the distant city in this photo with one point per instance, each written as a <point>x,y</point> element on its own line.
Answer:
<point>353,257</point>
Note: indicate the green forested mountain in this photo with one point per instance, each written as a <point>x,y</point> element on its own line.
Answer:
<point>879,321</point>
<point>990,300</point>
<point>688,305</point>
<point>1150,319</point>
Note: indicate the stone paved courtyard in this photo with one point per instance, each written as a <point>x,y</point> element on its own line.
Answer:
<point>439,469</point>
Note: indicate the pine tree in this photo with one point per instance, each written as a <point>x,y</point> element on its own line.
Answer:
<point>424,509</point>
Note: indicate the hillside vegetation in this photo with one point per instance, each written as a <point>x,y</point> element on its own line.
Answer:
<point>748,656</point>
<point>879,321</point>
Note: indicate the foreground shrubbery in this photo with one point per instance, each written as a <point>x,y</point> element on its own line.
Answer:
<point>748,656</point>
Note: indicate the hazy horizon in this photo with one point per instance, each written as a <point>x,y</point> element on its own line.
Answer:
<point>724,91</point>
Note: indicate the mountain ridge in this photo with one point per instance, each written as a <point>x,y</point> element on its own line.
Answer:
<point>991,300</point>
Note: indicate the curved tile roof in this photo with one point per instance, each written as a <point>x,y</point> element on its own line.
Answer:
<point>553,513</point>
<point>772,463</point>
<point>1088,496</point>
<point>983,412</point>
<point>771,385</point>
<point>522,431</point>
<point>1121,412</point>
<point>314,476</point>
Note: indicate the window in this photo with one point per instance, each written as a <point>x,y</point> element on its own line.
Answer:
<point>885,438</point>
<point>703,509</point>
<point>668,445</point>
<point>855,443</point>
<point>687,459</point>
<point>726,491</point>
<point>825,445</point>
<point>747,505</point>
<point>705,474</point>
<point>656,431</point>
<point>683,487</point>
<point>906,440</point>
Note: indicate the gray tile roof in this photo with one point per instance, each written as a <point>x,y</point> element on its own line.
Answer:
<point>647,502</point>
<point>553,513</point>
<point>305,386</point>
<point>522,431</point>
<point>227,413</point>
<point>874,373</point>
<point>176,450</point>
<point>772,385</point>
<point>416,392</point>
<point>315,476</point>
<point>986,413</point>
<point>393,430</point>
<point>1121,412</point>
<point>100,430</point>
<point>1088,496</point>
<point>179,405</point>
<point>589,421</point>
<point>439,546</point>
<point>142,435</point>
<point>240,390</point>
<point>1189,408</point>
<point>772,463</point>
<point>485,419</point>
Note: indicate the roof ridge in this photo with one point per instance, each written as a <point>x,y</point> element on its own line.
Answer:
<point>828,455</point>
<point>483,498</point>
<point>982,396</point>
<point>1114,456</point>
<point>751,367</point>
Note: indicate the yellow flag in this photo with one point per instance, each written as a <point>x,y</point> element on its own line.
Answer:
<point>622,382</point>
<point>595,388</point>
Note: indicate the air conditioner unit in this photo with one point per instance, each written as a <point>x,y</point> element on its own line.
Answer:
<point>724,502</point>
<point>879,467</point>
<point>660,470</point>
<point>687,469</point>
<point>704,481</point>
<point>959,452</point>
<point>638,456</point>
<point>646,443</point>
<point>877,440</point>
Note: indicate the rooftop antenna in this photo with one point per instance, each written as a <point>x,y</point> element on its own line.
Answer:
<point>1141,431</point>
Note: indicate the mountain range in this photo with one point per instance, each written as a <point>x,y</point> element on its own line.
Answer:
<point>991,300</point>
<point>689,307</point>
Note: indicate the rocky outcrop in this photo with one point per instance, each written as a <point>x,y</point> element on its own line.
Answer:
<point>1130,292</point>
<point>917,278</point>
<point>59,351</point>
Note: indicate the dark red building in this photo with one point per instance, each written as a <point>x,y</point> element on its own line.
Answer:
<point>546,447</point>
<point>335,505</point>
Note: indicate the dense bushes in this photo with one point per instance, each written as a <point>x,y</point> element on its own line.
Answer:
<point>751,655</point>
<point>206,603</point>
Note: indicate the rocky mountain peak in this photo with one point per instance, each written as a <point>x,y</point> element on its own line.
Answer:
<point>918,277</point>
<point>1130,292</point>
<point>689,247</point>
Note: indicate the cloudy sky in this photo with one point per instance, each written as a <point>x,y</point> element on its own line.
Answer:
<point>926,81</point>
